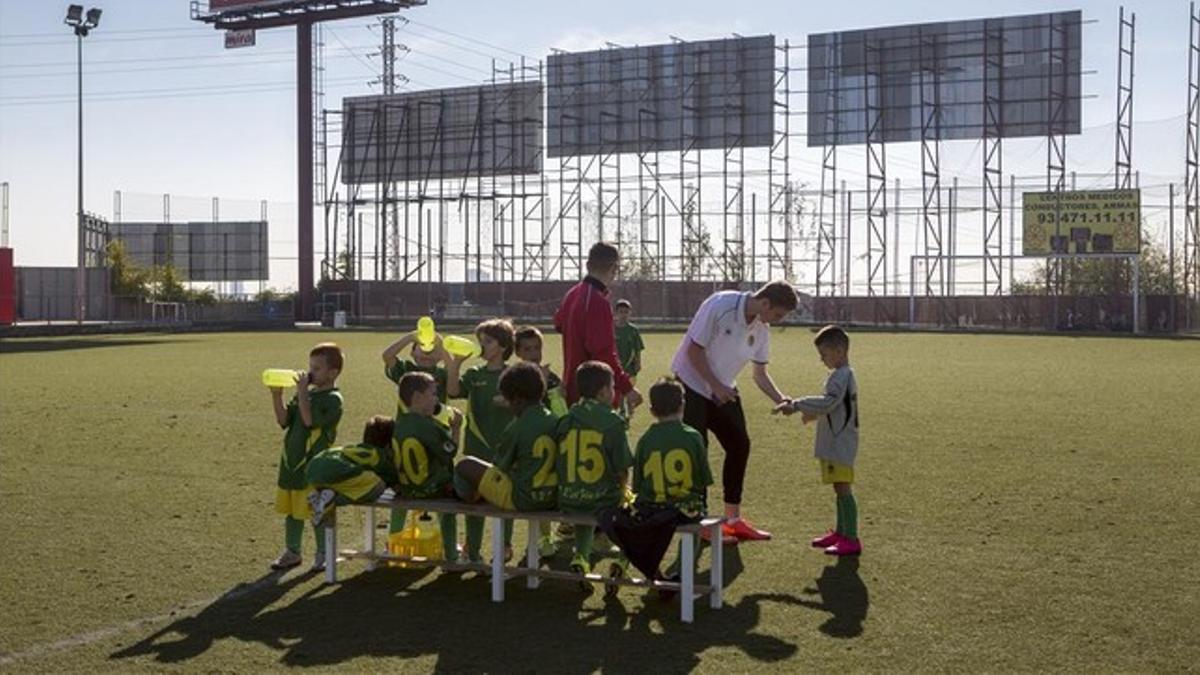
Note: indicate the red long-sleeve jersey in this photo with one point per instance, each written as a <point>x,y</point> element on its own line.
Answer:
<point>585,321</point>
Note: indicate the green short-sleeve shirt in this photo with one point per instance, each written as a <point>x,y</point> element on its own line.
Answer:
<point>301,443</point>
<point>423,452</point>
<point>592,453</point>
<point>486,416</point>
<point>671,467</point>
<point>629,346</point>
<point>528,453</point>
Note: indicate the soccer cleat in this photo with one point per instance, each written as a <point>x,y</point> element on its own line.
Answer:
<point>826,540</point>
<point>546,547</point>
<point>744,531</point>
<point>619,569</point>
<point>845,546</point>
<point>580,565</point>
<point>319,501</point>
<point>727,539</point>
<point>318,563</point>
<point>566,530</point>
<point>286,560</point>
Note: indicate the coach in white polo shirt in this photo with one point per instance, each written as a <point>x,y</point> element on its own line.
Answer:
<point>730,329</point>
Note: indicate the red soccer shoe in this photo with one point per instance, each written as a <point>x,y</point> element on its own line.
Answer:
<point>744,531</point>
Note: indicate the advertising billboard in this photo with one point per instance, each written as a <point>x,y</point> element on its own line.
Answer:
<point>705,94</point>
<point>1028,67</point>
<point>1082,221</point>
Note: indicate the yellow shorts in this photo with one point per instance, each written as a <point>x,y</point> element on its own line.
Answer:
<point>496,488</point>
<point>357,488</point>
<point>832,472</point>
<point>293,503</point>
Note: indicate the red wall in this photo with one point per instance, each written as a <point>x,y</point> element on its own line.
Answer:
<point>8,293</point>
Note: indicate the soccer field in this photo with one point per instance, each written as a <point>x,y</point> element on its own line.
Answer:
<point>1026,503</point>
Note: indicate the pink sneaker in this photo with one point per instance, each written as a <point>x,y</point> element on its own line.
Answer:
<point>826,540</point>
<point>845,546</point>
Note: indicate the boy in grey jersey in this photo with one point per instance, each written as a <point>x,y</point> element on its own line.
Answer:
<point>836,415</point>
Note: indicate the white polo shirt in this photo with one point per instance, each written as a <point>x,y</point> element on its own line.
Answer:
<point>729,341</point>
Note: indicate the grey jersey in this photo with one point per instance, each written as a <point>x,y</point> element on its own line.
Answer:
<point>837,417</point>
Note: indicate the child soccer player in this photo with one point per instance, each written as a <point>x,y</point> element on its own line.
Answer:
<point>487,413</point>
<point>422,361</point>
<point>529,349</point>
<point>424,451</point>
<point>524,477</point>
<point>836,414</point>
<point>671,459</point>
<point>353,474</point>
<point>310,422</point>
<point>593,458</point>
<point>671,463</point>
<point>629,346</point>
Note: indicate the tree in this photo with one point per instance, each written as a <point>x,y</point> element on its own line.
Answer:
<point>1104,276</point>
<point>126,278</point>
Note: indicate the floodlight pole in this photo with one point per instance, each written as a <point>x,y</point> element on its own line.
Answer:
<point>81,261</point>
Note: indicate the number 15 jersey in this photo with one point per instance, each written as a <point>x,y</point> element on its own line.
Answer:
<point>593,452</point>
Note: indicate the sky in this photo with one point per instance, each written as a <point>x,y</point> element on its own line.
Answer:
<point>168,110</point>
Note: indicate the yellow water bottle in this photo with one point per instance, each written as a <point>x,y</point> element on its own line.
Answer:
<point>426,333</point>
<point>280,377</point>
<point>457,345</point>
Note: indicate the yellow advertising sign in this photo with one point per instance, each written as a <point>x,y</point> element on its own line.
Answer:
<point>1082,221</point>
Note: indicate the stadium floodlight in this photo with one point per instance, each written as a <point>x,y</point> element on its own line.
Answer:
<point>75,19</point>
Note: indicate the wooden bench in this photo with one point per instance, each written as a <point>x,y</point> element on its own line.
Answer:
<point>686,587</point>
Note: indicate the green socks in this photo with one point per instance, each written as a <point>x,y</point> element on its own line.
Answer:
<point>293,533</point>
<point>475,536</point>
<point>449,523</point>
<point>847,516</point>
<point>397,522</point>
<point>583,540</point>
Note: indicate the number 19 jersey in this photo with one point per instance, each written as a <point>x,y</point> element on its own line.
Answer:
<point>671,467</point>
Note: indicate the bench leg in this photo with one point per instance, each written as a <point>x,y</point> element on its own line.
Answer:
<point>531,553</point>
<point>369,537</point>
<point>497,559</point>
<point>716,598</point>
<point>331,552</point>
<point>687,594</point>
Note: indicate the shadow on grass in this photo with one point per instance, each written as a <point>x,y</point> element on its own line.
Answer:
<point>844,596</point>
<point>23,345</point>
<point>381,614</point>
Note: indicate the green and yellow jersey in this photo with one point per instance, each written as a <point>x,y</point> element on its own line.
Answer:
<point>423,452</point>
<point>527,454</point>
<point>671,467</point>
<point>592,454</point>
<point>629,347</point>
<point>301,443</point>
<point>487,417</point>
<point>555,399</point>
<point>356,472</point>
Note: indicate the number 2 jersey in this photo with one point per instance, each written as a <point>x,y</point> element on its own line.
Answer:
<point>528,453</point>
<point>671,467</point>
<point>593,452</point>
<point>424,456</point>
